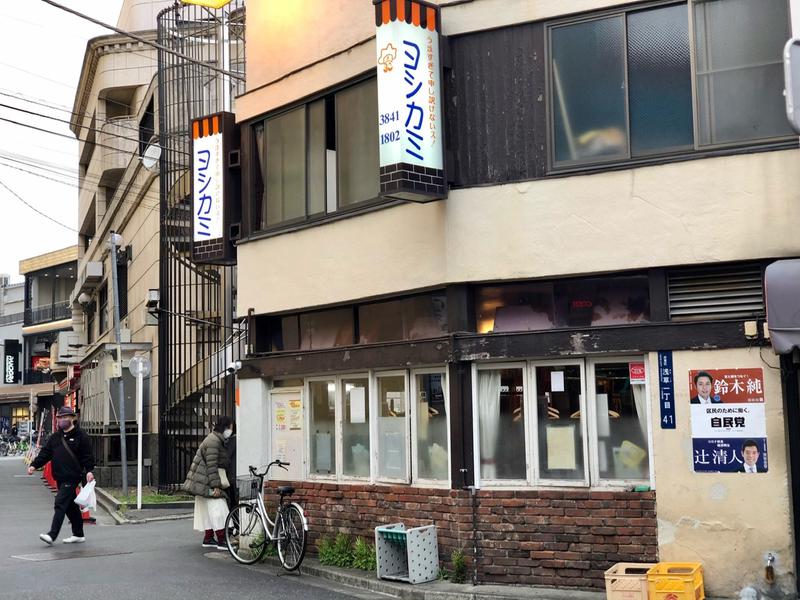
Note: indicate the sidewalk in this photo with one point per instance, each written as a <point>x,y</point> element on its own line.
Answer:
<point>435,590</point>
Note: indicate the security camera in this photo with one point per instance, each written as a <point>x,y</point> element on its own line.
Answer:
<point>152,299</point>
<point>84,298</point>
<point>234,367</point>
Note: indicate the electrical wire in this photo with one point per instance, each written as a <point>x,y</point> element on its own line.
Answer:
<point>33,208</point>
<point>145,41</point>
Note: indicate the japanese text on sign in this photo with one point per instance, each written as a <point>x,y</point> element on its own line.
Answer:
<point>408,95</point>
<point>666,390</point>
<point>207,187</point>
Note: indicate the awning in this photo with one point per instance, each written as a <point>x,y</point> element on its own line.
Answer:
<point>782,285</point>
<point>22,393</point>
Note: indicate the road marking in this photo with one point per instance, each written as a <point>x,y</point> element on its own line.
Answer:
<point>46,556</point>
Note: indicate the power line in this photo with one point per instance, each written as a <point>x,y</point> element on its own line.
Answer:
<point>33,208</point>
<point>145,41</point>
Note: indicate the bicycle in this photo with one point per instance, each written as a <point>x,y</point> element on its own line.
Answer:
<point>248,528</point>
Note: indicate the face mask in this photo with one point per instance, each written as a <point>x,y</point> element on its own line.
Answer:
<point>64,423</point>
<point>227,433</point>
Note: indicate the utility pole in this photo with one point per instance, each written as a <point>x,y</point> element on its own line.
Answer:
<point>115,240</point>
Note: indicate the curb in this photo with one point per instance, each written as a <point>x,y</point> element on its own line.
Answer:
<point>111,505</point>
<point>444,591</point>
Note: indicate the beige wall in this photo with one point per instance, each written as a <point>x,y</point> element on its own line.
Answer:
<point>342,32</point>
<point>138,15</point>
<point>644,217</point>
<point>728,522</point>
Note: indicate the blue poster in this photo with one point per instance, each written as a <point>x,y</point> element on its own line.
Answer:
<point>730,455</point>
<point>666,389</point>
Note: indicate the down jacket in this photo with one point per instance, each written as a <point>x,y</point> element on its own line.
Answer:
<point>203,475</point>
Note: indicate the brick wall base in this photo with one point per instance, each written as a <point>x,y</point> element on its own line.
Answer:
<point>557,538</point>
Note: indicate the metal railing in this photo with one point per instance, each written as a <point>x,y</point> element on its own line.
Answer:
<point>12,318</point>
<point>48,312</point>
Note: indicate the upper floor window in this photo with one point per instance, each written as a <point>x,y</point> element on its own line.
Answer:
<point>623,86</point>
<point>317,158</point>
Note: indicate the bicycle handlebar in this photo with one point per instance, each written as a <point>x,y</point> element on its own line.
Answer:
<point>277,462</point>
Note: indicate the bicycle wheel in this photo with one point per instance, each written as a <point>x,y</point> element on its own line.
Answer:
<point>292,538</point>
<point>245,535</point>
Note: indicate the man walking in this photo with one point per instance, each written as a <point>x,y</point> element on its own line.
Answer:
<point>70,451</point>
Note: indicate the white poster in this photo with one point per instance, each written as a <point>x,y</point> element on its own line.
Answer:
<point>410,127</point>
<point>603,425</point>
<point>557,381</point>
<point>561,447</point>
<point>207,187</point>
<point>358,405</point>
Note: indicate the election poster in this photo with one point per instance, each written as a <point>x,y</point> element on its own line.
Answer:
<point>729,425</point>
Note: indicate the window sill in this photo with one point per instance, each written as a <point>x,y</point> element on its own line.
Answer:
<point>662,159</point>
<point>356,210</point>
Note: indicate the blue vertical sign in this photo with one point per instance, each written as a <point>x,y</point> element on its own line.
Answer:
<point>666,389</point>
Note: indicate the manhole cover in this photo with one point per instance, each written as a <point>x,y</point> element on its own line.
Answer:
<point>45,556</point>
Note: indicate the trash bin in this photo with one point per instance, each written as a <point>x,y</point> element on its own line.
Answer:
<point>410,555</point>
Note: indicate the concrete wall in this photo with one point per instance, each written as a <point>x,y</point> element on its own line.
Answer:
<point>643,217</point>
<point>728,522</point>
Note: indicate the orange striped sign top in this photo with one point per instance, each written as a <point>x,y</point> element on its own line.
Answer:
<point>205,127</point>
<point>414,12</point>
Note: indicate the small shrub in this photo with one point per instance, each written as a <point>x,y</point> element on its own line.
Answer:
<point>459,561</point>
<point>364,556</point>
<point>343,551</point>
<point>325,549</point>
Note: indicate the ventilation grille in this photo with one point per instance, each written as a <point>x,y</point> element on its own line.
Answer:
<point>719,293</point>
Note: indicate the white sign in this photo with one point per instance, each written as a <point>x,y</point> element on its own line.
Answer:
<point>410,127</point>
<point>11,369</point>
<point>729,420</point>
<point>207,188</point>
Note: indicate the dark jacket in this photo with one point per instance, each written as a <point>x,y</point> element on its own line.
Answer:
<point>203,475</point>
<point>65,469</point>
<point>696,400</point>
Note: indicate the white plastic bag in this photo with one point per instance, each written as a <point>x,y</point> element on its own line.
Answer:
<point>87,499</point>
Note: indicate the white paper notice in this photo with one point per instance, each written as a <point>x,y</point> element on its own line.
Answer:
<point>557,381</point>
<point>603,426</point>
<point>561,448</point>
<point>358,405</point>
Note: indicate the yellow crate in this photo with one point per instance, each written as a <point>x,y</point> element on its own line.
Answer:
<point>676,581</point>
<point>627,581</point>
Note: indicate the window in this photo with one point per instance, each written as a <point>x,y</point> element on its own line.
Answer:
<point>432,448</point>
<point>89,312</point>
<point>739,45</point>
<point>417,317</point>
<point>326,329</point>
<point>102,310</point>
<point>364,426</point>
<point>576,434</point>
<point>621,85</point>
<point>317,158</point>
<point>411,318</point>
<point>355,427</point>
<point>322,421</point>
<point>565,303</point>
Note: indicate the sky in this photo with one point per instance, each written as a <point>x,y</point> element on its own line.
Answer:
<point>41,54</point>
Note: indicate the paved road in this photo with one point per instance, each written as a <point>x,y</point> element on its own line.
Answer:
<point>121,562</point>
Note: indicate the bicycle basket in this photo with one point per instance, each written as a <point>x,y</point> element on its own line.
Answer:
<point>248,487</point>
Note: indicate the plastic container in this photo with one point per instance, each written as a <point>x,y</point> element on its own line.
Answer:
<point>627,581</point>
<point>676,581</point>
<point>410,555</point>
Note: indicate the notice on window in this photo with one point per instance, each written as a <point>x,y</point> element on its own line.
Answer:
<point>280,415</point>
<point>295,415</point>
<point>397,403</point>
<point>561,448</point>
<point>729,423</point>
<point>358,405</point>
<point>557,381</point>
<point>603,424</point>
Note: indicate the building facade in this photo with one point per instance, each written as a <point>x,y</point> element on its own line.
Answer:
<point>116,105</point>
<point>520,359</point>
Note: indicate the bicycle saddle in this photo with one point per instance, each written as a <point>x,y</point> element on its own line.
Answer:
<point>286,490</point>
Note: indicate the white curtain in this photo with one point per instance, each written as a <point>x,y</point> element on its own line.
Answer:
<point>639,397</point>
<point>489,415</point>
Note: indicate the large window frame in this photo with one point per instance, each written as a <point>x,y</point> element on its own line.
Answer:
<point>626,158</point>
<point>410,428</point>
<point>332,206</point>
<point>588,424</point>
